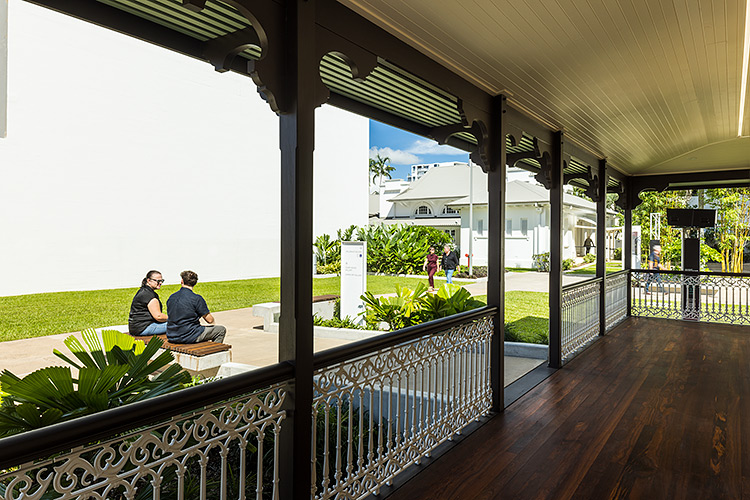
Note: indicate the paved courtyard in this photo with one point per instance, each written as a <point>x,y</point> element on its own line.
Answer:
<point>250,344</point>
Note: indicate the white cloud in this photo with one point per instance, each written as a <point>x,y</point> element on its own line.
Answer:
<point>397,156</point>
<point>428,147</point>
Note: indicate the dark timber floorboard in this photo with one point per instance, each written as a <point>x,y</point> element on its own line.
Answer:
<point>655,410</point>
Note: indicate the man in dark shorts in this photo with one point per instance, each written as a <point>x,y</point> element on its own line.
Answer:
<point>185,309</point>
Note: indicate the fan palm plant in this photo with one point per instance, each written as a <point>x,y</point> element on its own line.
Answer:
<point>112,370</point>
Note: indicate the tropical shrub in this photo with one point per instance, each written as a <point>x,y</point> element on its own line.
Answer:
<point>412,307</point>
<point>336,322</point>
<point>589,258</point>
<point>392,249</point>
<point>478,272</point>
<point>567,264</point>
<point>110,375</point>
<point>618,253</point>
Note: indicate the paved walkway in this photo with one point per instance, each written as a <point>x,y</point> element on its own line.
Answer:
<point>250,344</point>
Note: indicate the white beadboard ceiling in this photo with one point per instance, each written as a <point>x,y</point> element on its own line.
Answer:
<point>653,85</point>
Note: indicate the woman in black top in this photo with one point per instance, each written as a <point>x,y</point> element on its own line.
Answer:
<point>146,316</point>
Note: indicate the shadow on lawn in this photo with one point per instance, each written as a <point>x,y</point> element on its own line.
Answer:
<point>530,329</point>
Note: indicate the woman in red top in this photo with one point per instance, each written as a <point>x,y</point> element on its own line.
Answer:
<point>431,266</point>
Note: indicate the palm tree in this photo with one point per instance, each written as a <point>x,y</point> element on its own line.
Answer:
<point>380,167</point>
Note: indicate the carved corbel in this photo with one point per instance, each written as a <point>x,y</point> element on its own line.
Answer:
<point>592,191</point>
<point>361,62</point>
<point>221,51</point>
<point>544,176</point>
<point>513,158</point>
<point>266,31</point>
<point>477,129</point>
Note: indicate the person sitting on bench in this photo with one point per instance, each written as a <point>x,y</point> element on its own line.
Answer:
<point>185,309</point>
<point>146,316</point>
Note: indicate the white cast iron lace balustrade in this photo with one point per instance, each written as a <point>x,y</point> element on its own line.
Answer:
<point>616,290</point>
<point>377,413</point>
<point>580,315</point>
<point>228,449</point>
<point>691,295</point>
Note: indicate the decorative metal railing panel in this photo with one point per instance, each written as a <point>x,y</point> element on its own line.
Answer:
<point>225,450</point>
<point>690,295</point>
<point>378,413</point>
<point>616,298</point>
<point>580,316</point>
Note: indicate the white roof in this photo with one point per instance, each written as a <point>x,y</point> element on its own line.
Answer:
<point>451,182</point>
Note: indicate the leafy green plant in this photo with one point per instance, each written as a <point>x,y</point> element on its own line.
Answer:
<point>618,254</point>
<point>109,375</point>
<point>567,264</point>
<point>397,311</point>
<point>346,322</point>
<point>408,308</point>
<point>589,258</point>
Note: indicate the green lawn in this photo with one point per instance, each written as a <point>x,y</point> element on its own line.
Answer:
<point>37,315</point>
<point>612,267</point>
<point>526,316</point>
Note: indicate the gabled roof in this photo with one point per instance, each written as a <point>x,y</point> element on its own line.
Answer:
<point>451,183</point>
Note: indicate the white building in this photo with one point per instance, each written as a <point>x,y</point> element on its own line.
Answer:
<point>152,160</point>
<point>441,199</point>
<point>417,171</point>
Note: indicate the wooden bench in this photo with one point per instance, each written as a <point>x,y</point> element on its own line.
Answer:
<point>196,357</point>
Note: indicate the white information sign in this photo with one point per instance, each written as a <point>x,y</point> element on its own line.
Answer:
<point>353,278</point>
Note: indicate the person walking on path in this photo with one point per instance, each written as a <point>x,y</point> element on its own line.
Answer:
<point>146,316</point>
<point>431,266</point>
<point>186,308</point>
<point>654,262</point>
<point>588,244</point>
<point>449,263</point>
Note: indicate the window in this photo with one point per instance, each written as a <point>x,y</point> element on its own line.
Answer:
<point>480,227</point>
<point>449,210</point>
<point>451,233</point>
<point>508,227</point>
<point>424,210</point>
<point>525,227</point>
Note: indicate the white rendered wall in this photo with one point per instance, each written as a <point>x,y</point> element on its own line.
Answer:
<point>122,157</point>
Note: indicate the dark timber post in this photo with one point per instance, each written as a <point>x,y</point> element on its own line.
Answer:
<point>496,249</point>
<point>601,244</point>
<point>297,139</point>
<point>555,252</point>
<point>627,251</point>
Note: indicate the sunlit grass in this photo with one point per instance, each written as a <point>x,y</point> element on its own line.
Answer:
<point>37,315</point>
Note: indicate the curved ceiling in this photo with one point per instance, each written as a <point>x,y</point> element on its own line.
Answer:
<point>642,83</point>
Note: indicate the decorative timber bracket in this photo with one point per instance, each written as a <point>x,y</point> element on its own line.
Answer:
<point>592,191</point>
<point>267,32</point>
<point>619,190</point>
<point>544,176</point>
<point>477,129</point>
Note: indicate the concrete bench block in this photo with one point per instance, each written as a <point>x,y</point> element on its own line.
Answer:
<point>269,311</point>
<point>202,363</point>
<point>229,369</point>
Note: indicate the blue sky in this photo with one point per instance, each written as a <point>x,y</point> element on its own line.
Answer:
<point>405,149</point>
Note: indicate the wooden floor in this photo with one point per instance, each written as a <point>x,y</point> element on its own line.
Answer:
<point>657,409</point>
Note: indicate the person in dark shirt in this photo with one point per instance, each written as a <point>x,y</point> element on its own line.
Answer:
<point>185,309</point>
<point>588,244</point>
<point>449,263</point>
<point>146,316</point>
<point>654,262</point>
<point>431,266</point>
